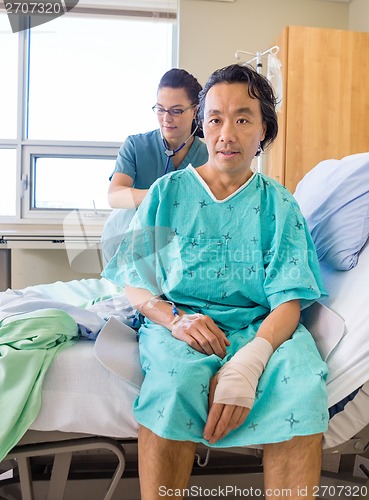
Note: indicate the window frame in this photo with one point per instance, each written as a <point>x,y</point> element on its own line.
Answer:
<point>30,152</point>
<point>27,149</point>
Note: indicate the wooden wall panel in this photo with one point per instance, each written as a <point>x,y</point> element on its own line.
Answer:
<point>327,99</point>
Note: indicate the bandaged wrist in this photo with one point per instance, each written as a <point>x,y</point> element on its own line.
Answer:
<point>238,378</point>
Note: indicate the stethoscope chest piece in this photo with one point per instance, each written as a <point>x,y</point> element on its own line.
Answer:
<point>170,152</point>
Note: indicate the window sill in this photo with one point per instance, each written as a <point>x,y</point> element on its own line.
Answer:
<point>74,237</point>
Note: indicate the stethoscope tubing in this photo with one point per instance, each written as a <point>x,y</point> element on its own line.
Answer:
<point>172,152</point>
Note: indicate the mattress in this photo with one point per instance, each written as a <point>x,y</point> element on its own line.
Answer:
<point>81,395</point>
<point>84,394</point>
<point>348,297</point>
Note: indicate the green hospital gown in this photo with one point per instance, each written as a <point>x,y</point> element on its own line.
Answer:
<point>235,260</point>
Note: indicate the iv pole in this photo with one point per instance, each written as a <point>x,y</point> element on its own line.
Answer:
<point>257,57</point>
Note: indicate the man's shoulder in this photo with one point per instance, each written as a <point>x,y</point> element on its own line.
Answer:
<point>273,185</point>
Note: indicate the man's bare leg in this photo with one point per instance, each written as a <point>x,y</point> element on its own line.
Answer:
<point>163,463</point>
<point>293,466</point>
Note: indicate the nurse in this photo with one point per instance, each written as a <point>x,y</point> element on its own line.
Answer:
<point>143,158</point>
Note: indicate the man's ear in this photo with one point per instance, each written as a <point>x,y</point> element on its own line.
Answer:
<point>264,132</point>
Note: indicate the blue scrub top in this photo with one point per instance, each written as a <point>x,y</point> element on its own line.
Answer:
<point>143,158</point>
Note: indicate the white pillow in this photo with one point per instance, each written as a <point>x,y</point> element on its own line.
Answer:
<point>334,198</point>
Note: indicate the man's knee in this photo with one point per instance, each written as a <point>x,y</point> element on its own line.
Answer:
<point>297,441</point>
<point>298,444</point>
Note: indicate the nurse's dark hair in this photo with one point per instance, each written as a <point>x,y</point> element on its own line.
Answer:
<point>258,88</point>
<point>177,78</point>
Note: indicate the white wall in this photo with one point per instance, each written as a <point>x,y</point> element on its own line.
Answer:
<point>359,15</point>
<point>32,267</point>
<point>210,31</point>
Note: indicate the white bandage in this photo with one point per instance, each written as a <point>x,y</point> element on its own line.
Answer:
<point>238,378</point>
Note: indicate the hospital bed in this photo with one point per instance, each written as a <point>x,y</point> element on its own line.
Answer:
<point>83,443</point>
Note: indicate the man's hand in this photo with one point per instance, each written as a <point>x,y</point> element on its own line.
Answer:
<point>222,418</point>
<point>201,333</point>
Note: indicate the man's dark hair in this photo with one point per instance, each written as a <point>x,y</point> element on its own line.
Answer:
<point>258,88</point>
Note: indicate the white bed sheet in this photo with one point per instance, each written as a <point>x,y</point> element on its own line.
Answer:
<point>81,395</point>
<point>349,297</point>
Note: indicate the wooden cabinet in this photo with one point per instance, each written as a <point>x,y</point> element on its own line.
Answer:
<point>325,109</point>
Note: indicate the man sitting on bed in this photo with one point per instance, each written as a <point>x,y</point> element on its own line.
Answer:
<point>219,261</point>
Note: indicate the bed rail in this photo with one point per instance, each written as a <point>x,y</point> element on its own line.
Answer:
<point>63,452</point>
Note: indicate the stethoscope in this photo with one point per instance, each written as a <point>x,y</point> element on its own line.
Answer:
<point>172,152</point>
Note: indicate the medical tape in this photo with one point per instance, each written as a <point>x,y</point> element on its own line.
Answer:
<point>152,302</point>
<point>238,378</point>
<point>186,319</point>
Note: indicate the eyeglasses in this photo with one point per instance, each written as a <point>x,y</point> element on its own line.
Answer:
<point>173,111</point>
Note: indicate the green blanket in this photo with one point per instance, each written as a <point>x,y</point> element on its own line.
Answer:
<point>28,345</point>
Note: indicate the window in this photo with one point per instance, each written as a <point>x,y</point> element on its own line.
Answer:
<point>77,87</point>
<point>59,183</point>
<point>8,179</point>
<point>96,85</point>
<point>8,118</point>
<point>8,84</point>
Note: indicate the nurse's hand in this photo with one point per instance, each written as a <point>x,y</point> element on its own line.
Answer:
<point>222,418</point>
<point>201,333</point>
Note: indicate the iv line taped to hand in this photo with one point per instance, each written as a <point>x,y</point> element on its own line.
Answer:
<point>186,319</point>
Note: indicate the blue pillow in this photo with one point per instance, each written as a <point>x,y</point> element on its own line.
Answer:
<point>334,198</point>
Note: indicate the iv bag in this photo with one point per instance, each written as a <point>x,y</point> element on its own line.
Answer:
<point>274,75</point>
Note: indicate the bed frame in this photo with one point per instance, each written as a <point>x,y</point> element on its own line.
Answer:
<point>58,461</point>
<point>98,467</point>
